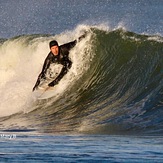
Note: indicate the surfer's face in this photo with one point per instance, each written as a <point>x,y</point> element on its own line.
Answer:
<point>54,50</point>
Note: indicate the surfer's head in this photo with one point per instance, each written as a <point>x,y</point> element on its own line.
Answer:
<point>54,47</point>
<point>53,43</point>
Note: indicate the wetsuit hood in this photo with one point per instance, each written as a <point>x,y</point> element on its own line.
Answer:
<point>53,43</point>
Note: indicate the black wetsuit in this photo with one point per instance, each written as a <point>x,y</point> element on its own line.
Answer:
<point>61,58</point>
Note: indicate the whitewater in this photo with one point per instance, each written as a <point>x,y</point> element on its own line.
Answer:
<point>21,62</point>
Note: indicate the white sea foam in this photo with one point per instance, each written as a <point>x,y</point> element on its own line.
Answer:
<point>21,61</point>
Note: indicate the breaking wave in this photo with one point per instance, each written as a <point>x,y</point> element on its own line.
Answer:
<point>115,84</point>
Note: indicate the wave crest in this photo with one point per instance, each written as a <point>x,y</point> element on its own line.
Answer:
<point>116,80</point>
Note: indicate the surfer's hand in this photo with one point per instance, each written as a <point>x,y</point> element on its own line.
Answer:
<point>33,89</point>
<point>82,36</point>
<point>52,84</point>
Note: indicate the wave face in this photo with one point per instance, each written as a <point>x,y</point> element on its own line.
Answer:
<point>114,86</point>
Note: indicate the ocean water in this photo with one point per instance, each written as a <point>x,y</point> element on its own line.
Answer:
<point>108,107</point>
<point>35,147</point>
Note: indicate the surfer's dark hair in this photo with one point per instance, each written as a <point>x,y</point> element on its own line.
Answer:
<point>53,43</point>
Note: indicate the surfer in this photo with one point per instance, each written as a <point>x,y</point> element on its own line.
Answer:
<point>60,55</point>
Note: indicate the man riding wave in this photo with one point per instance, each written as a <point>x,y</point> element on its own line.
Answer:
<point>59,55</point>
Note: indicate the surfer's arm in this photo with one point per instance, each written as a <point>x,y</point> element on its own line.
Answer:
<point>70,45</point>
<point>45,67</point>
<point>43,72</point>
<point>59,77</point>
<point>67,65</point>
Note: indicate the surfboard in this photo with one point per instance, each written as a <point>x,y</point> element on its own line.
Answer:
<point>44,91</point>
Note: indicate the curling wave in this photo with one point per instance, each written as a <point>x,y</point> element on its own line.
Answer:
<point>115,84</point>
